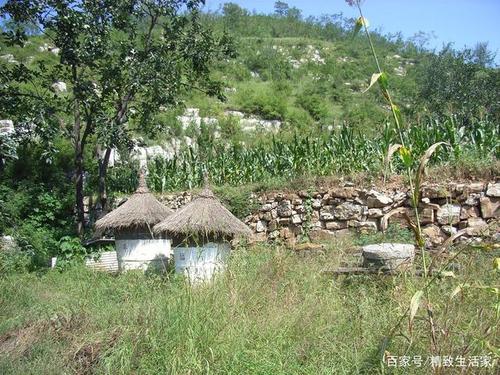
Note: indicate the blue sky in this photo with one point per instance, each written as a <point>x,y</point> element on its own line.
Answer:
<point>463,22</point>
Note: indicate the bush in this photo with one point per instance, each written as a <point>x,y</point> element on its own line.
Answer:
<point>314,104</point>
<point>12,260</point>
<point>262,100</point>
<point>238,200</point>
<point>70,252</point>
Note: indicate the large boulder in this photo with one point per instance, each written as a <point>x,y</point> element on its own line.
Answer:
<point>390,256</point>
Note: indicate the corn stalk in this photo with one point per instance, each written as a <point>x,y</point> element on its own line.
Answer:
<point>414,180</point>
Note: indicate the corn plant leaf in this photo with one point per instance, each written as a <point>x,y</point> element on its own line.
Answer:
<point>359,24</point>
<point>390,152</point>
<point>496,264</point>
<point>455,291</point>
<point>458,289</point>
<point>423,163</point>
<point>447,274</point>
<point>406,157</point>
<point>415,303</point>
<point>373,80</point>
<point>397,113</point>
<point>383,81</point>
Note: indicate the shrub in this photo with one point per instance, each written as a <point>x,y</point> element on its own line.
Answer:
<point>262,100</point>
<point>12,260</point>
<point>70,252</point>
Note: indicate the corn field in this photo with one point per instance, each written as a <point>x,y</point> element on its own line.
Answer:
<point>344,151</point>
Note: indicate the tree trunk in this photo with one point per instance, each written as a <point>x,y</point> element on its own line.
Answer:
<point>78,144</point>
<point>102,198</point>
<point>80,213</point>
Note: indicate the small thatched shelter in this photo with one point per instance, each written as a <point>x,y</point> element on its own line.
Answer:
<point>132,224</point>
<point>201,232</point>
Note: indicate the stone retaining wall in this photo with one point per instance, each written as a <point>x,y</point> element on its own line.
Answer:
<point>444,210</point>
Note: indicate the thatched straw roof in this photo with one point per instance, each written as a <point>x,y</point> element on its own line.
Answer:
<point>203,216</point>
<point>140,210</point>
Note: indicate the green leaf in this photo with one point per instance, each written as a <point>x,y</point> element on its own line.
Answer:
<point>383,81</point>
<point>397,113</point>
<point>359,24</point>
<point>496,264</point>
<point>405,155</point>
<point>414,304</point>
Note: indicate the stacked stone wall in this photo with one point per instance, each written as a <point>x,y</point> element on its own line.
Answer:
<point>322,213</point>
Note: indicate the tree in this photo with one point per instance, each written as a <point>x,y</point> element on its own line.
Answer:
<point>233,14</point>
<point>120,59</point>
<point>281,8</point>
<point>460,82</point>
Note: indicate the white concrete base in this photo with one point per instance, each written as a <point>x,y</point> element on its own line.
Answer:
<point>142,254</point>
<point>201,263</point>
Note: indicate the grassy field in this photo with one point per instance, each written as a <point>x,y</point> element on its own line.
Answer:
<point>273,312</point>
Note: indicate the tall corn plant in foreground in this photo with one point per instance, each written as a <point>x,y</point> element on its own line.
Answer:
<point>415,178</point>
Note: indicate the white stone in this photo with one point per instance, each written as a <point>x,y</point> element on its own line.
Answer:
<point>261,226</point>
<point>375,212</point>
<point>348,211</point>
<point>449,214</point>
<point>390,255</point>
<point>6,127</point>
<point>316,203</point>
<point>7,242</point>
<point>59,87</point>
<point>449,230</point>
<point>389,251</point>
<point>400,71</point>
<point>254,124</point>
<point>493,190</point>
<point>266,207</point>
<point>234,114</point>
<point>476,226</point>
<point>378,200</point>
<point>8,58</point>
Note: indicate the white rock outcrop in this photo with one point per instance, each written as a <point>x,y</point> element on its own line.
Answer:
<point>6,127</point>
<point>59,87</point>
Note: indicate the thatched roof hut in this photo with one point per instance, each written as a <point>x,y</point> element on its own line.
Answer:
<point>204,217</point>
<point>132,224</point>
<point>200,233</point>
<point>141,211</point>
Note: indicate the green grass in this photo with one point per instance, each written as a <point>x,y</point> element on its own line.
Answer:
<point>272,312</point>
